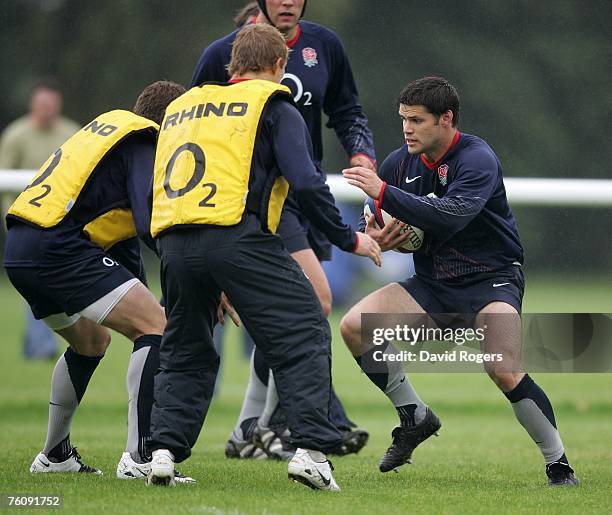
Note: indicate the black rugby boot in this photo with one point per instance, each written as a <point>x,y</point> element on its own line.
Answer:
<point>406,440</point>
<point>561,474</point>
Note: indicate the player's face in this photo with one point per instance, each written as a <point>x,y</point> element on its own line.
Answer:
<point>45,107</point>
<point>422,131</point>
<point>284,14</point>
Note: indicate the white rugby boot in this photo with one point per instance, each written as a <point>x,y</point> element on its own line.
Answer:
<point>162,468</point>
<point>314,474</point>
<point>42,464</point>
<point>127,468</point>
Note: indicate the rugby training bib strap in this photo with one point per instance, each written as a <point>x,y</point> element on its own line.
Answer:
<point>112,227</point>
<point>204,155</point>
<point>56,187</point>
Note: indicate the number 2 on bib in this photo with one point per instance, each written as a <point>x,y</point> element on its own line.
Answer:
<point>43,176</point>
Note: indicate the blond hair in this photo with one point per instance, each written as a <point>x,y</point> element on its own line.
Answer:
<point>257,48</point>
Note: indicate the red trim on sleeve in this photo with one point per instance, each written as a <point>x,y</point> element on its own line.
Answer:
<point>356,241</point>
<point>379,217</point>
<point>381,192</point>
<point>433,166</point>
<point>373,161</point>
<point>296,37</point>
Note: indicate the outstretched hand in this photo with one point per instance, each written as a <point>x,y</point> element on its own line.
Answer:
<point>367,246</point>
<point>365,179</point>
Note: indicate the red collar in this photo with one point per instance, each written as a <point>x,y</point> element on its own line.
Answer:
<point>298,33</point>
<point>293,41</point>
<point>432,166</point>
<point>235,81</point>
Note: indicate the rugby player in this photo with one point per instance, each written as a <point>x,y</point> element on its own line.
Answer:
<point>320,78</point>
<point>226,157</point>
<point>450,185</point>
<point>72,253</point>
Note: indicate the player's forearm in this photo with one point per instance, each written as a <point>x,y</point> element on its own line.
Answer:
<point>440,216</point>
<point>352,129</point>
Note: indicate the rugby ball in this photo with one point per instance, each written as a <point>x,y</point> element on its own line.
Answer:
<point>381,218</point>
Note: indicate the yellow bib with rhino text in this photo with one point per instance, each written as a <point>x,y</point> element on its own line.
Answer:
<point>204,156</point>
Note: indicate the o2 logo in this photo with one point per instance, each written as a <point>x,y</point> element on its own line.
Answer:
<point>299,89</point>
<point>109,262</point>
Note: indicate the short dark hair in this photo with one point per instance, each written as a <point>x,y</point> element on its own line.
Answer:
<point>154,99</point>
<point>246,13</point>
<point>436,94</point>
<point>50,83</point>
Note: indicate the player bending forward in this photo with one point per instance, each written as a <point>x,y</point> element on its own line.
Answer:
<point>71,252</point>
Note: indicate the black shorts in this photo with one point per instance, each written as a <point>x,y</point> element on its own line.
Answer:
<point>468,295</point>
<point>298,234</point>
<point>62,277</point>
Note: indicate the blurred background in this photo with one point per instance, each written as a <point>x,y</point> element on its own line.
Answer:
<point>534,80</point>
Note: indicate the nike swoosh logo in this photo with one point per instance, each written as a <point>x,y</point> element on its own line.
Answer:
<point>408,181</point>
<point>326,481</point>
<point>53,404</point>
<point>44,464</point>
<point>143,472</point>
<point>497,285</point>
<point>402,379</point>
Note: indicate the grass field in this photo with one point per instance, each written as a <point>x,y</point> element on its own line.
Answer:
<point>483,461</point>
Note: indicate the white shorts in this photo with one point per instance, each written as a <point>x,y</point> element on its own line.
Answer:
<point>96,312</point>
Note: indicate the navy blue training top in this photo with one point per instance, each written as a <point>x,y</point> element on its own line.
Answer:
<point>319,76</point>
<point>469,226</point>
<point>123,179</point>
<point>284,146</point>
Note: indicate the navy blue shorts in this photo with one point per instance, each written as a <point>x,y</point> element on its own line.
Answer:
<point>468,295</point>
<point>59,277</point>
<point>298,234</point>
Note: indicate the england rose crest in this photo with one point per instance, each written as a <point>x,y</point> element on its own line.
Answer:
<point>443,174</point>
<point>310,57</point>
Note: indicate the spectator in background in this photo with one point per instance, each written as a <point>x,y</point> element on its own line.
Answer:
<point>26,144</point>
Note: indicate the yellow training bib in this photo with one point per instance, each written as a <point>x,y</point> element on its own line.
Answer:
<point>112,227</point>
<point>57,185</point>
<point>204,156</point>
